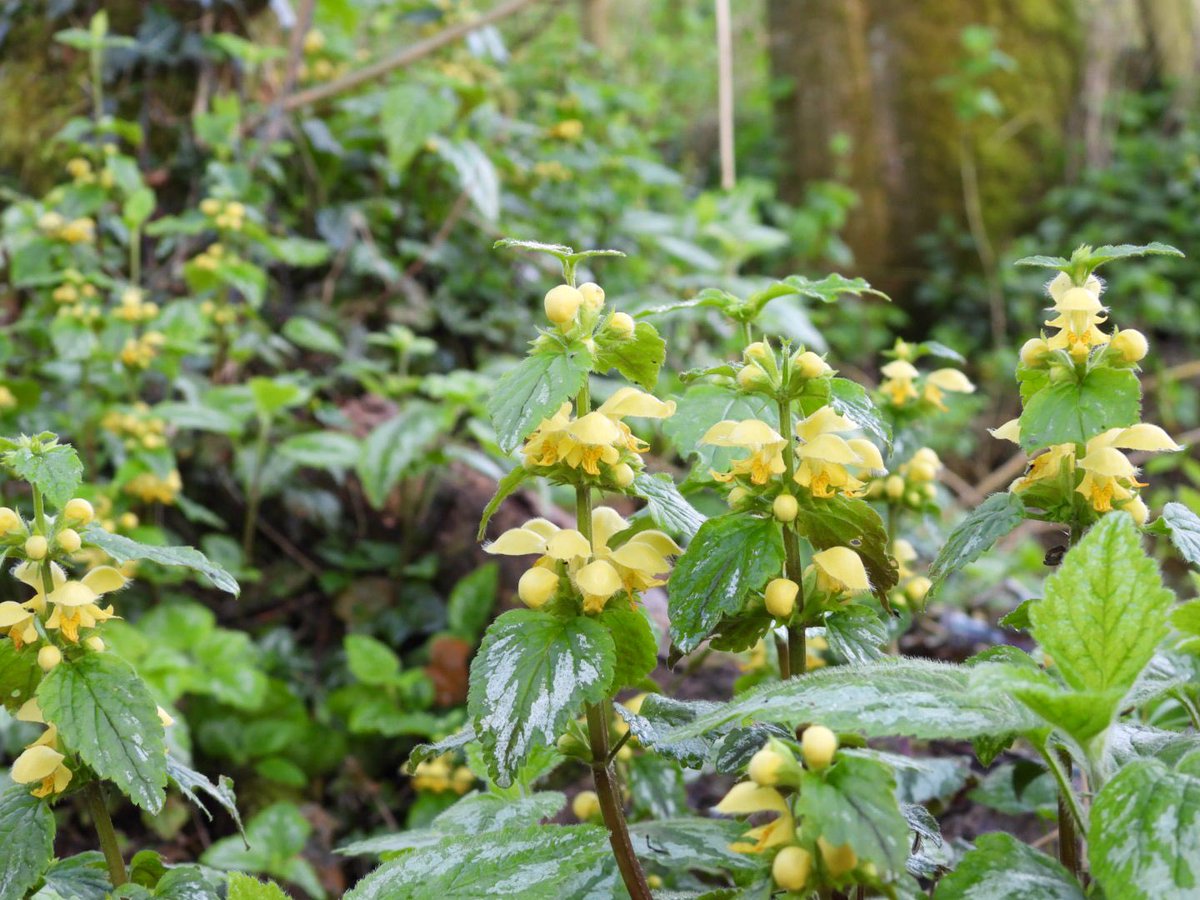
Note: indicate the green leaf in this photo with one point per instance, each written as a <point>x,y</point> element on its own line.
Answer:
<point>394,449</point>
<point>638,356</point>
<point>560,251</point>
<point>137,207</point>
<point>371,661</point>
<point>1044,262</point>
<point>472,600</point>
<point>668,508</point>
<point>991,520</point>
<point>409,116</point>
<point>636,646</point>
<point>693,843</point>
<point>19,675</point>
<point>312,335</point>
<point>856,634</point>
<point>55,471</point>
<point>505,488</point>
<point>826,290</point>
<point>659,715</point>
<point>920,779</point>
<point>477,813</point>
<point>1144,836</point>
<point>83,876</point>
<point>854,802</point>
<point>246,887</point>
<point>534,863</point>
<point>1183,527</point>
<point>272,395</point>
<point>533,673</point>
<point>1071,412</point>
<point>276,837</point>
<point>296,251</point>
<point>190,781</point>
<point>105,713</point>
<point>330,450</point>
<point>1105,609</point>
<point>27,835</point>
<point>911,697</point>
<point>1093,259</point>
<point>476,174</point>
<point>730,556</point>
<point>850,399</point>
<point>704,405</point>
<point>839,521</point>
<point>534,390</point>
<point>123,549</point>
<point>195,417</point>
<point>452,743</point>
<point>1003,868</point>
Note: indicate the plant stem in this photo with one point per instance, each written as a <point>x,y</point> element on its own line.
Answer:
<point>254,490</point>
<point>1070,813</point>
<point>94,794</point>
<point>797,652</point>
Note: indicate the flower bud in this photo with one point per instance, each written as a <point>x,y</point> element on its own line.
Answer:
<point>571,745</point>
<point>894,487</point>
<point>774,765</point>
<point>1137,508</point>
<point>593,296</point>
<point>809,365</point>
<point>78,511</point>
<point>49,657</point>
<point>759,350</point>
<point>9,520</point>
<point>69,540</point>
<point>622,475</point>
<point>737,496</point>
<point>537,586</point>
<point>36,547</point>
<point>562,303</point>
<point>621,324</point>
<point>785,508</point>
<point>780,597</point>
<point>210,206</point>
<point>917,588</point>
<point>838,860</point>
<point>791,868</point>
<point>127,521</point>
<point>1033,351</point>
<point>95,643</point>
<point>1131,345</point>
<point>586,806</point>
<point>818,744</point>
<point>751,377</point>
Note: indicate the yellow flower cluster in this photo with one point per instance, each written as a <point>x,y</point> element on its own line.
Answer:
<point>150,488</point>
<point>911,587</point>
<point>439,775</point>
<point>140,352</point>
<point>599,437</point>
<point>133,308</point>
<point>8,399</point>
<point>221,314</point>
<point>913,484</point>
<point>209,258</point>
<point>227,215</point>
<point>41,763</point>
<point>903,384</point>
<point>592,568</point>
<point>81,173</point>
<point>73,289</point>
<point>1078,312</point>
<point>136,427</point>
<point>566,130</point>
<point>75,231</point>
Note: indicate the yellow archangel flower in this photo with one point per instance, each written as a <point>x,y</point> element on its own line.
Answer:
<point>899,384</point>
<point>840,571</point>
<point>746,798</point>
<point>75,603</point>
<point>596,437</point>
<point>40,763</point>
<point>1079,311</point>
<point>17,618</point>
<point>829,464</point>
<point>596,570</point>
<point>764,443</point>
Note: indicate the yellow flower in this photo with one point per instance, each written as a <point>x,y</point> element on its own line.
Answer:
<point>41,763</point>
<point>764,443</point>
<point>943,380</point>
<point>826,459</point>
<point>1108,474</point>
<point>1043,467</point>
<point>897,385</point>
<point>746,798</point>
<point>840,571</point>
<point>75,604</point>
<point>1079,312</point>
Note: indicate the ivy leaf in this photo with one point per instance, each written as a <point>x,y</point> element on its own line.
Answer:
<point>729,557</point>
<point>534,390</point>
<point>636,646</point>
<point>704,405</point>
<point>850,399</point>
<point>123,549</point>
<point>533,673</point>
<point>1073,412</point>
<point>854,802</point>
<point>55,471</point>
<point>1105,609</point>
<point>638,356</point>
<point>839,521</point>
<point>27,835</point>
<point>991,520</point>
<point>1004,868</point>
<point>668,508</point>
<point>190,782</point>
<point>105,713</point>
<point>1144,836</point>
<point>505,488</point>
<point>533,863</point>
<point>19,675</point>
<point>910,697</point>
<point>1183,527</point>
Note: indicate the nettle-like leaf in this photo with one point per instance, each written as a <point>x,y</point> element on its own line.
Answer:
<point>55,471</point>
<point>856,634</point>
<point>104,712</point>
<point>1144,836</point>
<point>668,508</point>
<point>27,836</point>
<point>850,399</point>
<point>1182,526</point>
<point>995,517</point>
<point>839,521</point>
<point>1105,609</point>
<point>638,356</point>
<point>534,389</point>
<point>854,802</point>
<point>658,718</point>
<point>729,557</point>
<point>559,251</point>
<point>123,549</point>
<point>635,645</point>
<point>19,675</point>
<point>83,876</point>
<point>247,887</point>
<point>704,405</point>
<point>912,697</point>
<point>1072,412</point>
<point>449,744</point>
<point>1004,868</point>
<point>533,673</point>
<point>1086,258</point>
<point>505,488</point>
<point>694,843</point>
<point>825,290</point>
<point>535,863</point>
<point>192,783</point>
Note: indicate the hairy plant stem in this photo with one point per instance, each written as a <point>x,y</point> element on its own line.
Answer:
<point>797,652</point>
<point>94,794</point>
<point>608,789</point>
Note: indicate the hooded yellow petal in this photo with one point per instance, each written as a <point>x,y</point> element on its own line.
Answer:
<point>951,380</point>
<point>599,579</point>
<point>544,527</point>
<point>660,541</point>
<point>35,764</point>
<point>748,797</point>
<point>595,428</point>
<point>630,401</point>
<point>1144,436</point>
<point>517,542</point>
<point>12,613</point>
<point>1079,300</point>
<point>754,433</point>
<point>831,449</point>
<point>1108,462</point>
<point>843,565</point>
<point>72,594</point>
<point>641,557</point>
<point>1009,431</point>
<point>901,369</point>
<point>718,435</point>
<point>825,419</point>
<point>568,544</point>
<point>30,711</point>
<point>606,522</point>
<point>31,574</point>
<point>105,579</point>
<point>869,454</point>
